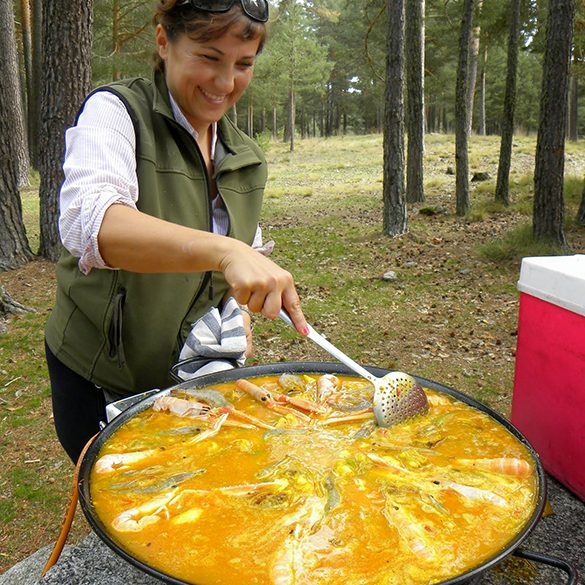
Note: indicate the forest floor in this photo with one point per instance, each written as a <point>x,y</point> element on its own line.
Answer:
<point>450,314</point>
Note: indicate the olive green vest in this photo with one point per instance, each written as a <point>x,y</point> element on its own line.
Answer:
<point>122,330</point>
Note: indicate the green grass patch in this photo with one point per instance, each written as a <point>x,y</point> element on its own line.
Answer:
<point>519,242</point>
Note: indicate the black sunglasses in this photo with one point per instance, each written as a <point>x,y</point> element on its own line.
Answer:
<point>255,9</point>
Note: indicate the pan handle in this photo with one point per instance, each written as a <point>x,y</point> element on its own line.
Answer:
<point>561,564</point>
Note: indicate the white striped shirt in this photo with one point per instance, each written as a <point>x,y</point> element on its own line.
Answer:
<point>100,170</point>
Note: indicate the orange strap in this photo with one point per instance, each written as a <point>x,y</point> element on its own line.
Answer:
<point>69,513</point>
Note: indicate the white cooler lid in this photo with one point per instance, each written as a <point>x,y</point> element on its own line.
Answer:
<point>557,279</point>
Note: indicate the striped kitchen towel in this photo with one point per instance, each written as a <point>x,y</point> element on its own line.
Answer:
<point>216,342</point>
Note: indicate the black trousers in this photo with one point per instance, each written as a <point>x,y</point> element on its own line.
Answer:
<point>78,406</point>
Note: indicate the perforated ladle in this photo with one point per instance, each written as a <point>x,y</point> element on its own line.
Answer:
<point>398,397</point>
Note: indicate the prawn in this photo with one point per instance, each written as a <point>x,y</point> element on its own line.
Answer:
<point>414,536</point>
<point>115,461</point>
<point>180,407</point>
<point>475,493</point>
<point>189,408</point>
<point>328,386</point>
<point>294,561</point>
<point>138,518</point>
<point>280,403</point>
<point>507,465</point>
<point>180,506</point>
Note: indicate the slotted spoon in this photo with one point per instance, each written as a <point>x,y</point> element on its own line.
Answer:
<point>397,396</point>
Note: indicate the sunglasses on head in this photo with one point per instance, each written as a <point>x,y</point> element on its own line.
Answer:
<point>255,9</point>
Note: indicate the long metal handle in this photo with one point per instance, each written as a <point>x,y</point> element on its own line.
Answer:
<point>330,348</point>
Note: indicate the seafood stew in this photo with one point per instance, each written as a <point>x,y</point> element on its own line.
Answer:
<point>285,479</point>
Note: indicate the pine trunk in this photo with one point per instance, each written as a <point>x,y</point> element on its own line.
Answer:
<point>395,211</point>
<point>415,118</point>
<point>14,246</point>
<point>67,35</point>
<point>13,105</point>
<point>503,182</point>
<point>462,114</point>
<point>548,212</point>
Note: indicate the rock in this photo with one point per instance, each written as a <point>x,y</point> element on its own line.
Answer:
<point>480,177</point>
<point>390,275</point>
<point>29,570</point>
<point>91,562</point>
<point>430,211</point>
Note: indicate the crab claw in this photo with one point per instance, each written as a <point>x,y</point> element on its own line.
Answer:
<point>398,398</point>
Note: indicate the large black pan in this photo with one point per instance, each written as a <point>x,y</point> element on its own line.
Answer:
<point>469,577</point>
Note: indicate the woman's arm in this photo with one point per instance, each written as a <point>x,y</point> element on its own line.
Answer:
<point>137,242</point>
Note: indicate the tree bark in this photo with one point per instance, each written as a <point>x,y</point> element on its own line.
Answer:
<point>395,211</point>
<point>27,50</point>
<point>462,114</point>
<point>34,98</point>
<point>548,211</point>
<point>13,105</point>
<point>14,247</point>
<point>573,126</point>
<point>481,116</point>
<point>581,210</point>
<point>473,66</point>
<point>415,118</point>
<point>67,36</point>
<point>503,181</point>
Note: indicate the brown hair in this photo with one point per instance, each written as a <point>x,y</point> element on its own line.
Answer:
<point>204,26</point>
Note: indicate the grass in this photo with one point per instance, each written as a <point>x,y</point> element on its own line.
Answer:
<point>450,315</point>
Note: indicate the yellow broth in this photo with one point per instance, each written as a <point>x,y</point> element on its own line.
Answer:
<point>309,501</point>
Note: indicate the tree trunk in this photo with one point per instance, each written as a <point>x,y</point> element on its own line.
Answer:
<point>503,182</point>
<point>548,212</point>
<point>27,50</point>
<point>395,210</point>
<point>34,98</point>
<point>274,123</point>
<point>292,119</point>
<point>13,105</point>
<point>473,64</point>
<point>462,114</point>
<point>581,211</point>
<point>415,119</point>
<point>573,127</point>
<point>67,36</point>
<point>116,18</point>
<point>250,118</point>
<point>481,117</point>
<point>14,246</point>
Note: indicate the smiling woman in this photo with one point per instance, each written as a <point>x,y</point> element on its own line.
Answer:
<point>206,78</point>
<point>159,215</point>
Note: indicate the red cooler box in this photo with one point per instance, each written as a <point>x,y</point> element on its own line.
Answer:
<point>548,404</point>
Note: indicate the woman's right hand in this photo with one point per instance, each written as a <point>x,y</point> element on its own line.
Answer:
<point>262,285</point>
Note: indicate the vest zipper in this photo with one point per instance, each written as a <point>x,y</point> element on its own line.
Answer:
<point>208,278</point>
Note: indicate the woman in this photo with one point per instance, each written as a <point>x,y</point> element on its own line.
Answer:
<point>159,215</point>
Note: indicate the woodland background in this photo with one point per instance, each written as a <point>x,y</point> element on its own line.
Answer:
<point>398,67</point>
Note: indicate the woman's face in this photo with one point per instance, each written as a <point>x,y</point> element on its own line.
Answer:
<point>206,79</point>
